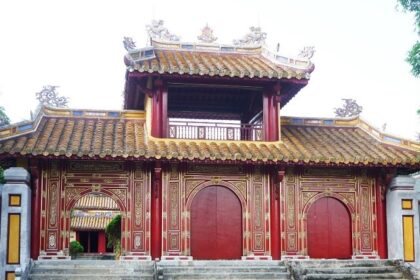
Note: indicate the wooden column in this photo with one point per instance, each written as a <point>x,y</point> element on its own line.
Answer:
<point>36,177</point>
<point>266,115</point>
<point>271,98</point>
<point>275,112</point>
<point>101,242</point>
<point>164,111</point>
<point>160,109</point>
<point>381,184</point>
<point>275,214</point>
<point>156,217</point>
<point>157,108</point>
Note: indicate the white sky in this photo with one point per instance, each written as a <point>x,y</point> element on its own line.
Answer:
<point>361,47</point>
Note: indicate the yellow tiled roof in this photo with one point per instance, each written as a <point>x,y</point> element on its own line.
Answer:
<point>216,60</point>
<point>89,223</point>
<point>99,202</point>
<point>316,141</point>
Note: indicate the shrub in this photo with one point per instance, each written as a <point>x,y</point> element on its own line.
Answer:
<point>2,181</point>
<point>75,248</point>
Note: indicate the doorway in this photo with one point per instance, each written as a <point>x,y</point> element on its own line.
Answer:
<point>329,230</point>
<point>216,224</point>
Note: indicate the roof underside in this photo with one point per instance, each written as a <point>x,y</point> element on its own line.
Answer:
<point>84,137</point>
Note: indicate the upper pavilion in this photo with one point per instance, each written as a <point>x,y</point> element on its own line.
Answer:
<point>207,102</point>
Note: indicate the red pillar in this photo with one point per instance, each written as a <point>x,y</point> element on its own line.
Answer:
<point>101,242</point>
<point>271,97</point>
<point>156,109</point>
<point>164,111</point>
<point>266,115</point>
<point>381,218</point>
<point>35,169</point>
<point>275,112</point>
<point>156,217</point>
<point>159,109</point>
<point>275,214</point>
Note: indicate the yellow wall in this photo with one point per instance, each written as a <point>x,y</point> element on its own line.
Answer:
<point>13,238</point>
<point>10,276</point>
<point>408,228</point>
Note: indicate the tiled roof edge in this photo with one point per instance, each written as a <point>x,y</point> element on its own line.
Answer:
<point>354,122</point>
<point>148,53</point>
<point>26,127</point>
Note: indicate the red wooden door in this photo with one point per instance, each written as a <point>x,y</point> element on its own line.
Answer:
<point>216,224</point>
<point>329,230</point>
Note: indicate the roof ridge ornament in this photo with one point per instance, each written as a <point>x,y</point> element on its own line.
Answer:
<point>156,30</point>
<point>49,96</point>
<point>129,44</point>
<point>307,52</point>
<point>207,35</point>
<point>349,109</point>
<point>253,38</point>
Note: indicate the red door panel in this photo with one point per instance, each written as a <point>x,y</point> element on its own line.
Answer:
<point>329,230</point>
<point>203,224</point>
<point>216,224</point>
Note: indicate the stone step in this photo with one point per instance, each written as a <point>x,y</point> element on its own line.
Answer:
<point>176,269</point>
<point>81,267</point>
<point>224,275</point>
<point>93,262</point>
<point>91,269</point>
<point>395,275</point>
<point>89,276</point>
<point>342,263</point>
<point>350,270</point>
<point>109,271</point>
<point>220,263</point>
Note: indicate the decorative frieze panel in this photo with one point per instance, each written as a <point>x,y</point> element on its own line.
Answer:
<point>53,210</point>
<point>95,166</point>
<point>215,169</point>
<point>138,203</point>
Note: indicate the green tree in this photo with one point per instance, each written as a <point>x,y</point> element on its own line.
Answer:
<point>113,233</point>
<point>4,119</point>
<point>413,57</point>
<point>2,181</point>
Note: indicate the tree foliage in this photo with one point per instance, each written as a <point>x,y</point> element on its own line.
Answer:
<point>413,57</point>
<point>113,233</point>
<point>4,119</point>
<point>2,181</point>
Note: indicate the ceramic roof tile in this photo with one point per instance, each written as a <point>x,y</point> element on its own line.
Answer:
<point>96,202</point>
<point>119,137</point>
<point>233,64</point>
<point>89,223</point>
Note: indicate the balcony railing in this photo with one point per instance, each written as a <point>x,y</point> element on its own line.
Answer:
<point>215,131</point>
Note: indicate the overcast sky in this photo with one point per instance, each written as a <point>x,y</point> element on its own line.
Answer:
<point>360,50</point>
